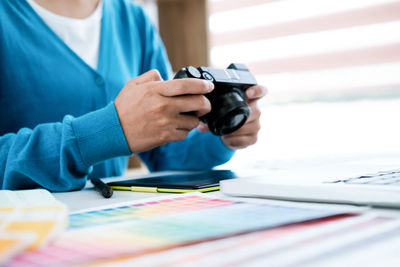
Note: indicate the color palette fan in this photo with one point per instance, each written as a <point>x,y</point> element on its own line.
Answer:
<point>29,219</point>
<point>138,228</point>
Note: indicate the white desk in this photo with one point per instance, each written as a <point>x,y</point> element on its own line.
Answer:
<point>89,198</point>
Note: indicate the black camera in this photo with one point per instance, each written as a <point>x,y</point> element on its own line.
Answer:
<point>229,110</point>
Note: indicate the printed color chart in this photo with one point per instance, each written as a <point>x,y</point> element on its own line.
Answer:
<point>143,227</point>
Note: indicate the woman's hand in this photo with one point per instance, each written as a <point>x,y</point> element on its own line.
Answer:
<point>247,134</point>
<point>153,112</point>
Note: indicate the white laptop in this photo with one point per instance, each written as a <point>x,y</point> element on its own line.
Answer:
<point>339,183</point>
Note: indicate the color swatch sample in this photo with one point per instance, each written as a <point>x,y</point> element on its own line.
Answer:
<point>13,243</point>
<point>29,219</point>
<point>143,227</point>
<point>335,241</point>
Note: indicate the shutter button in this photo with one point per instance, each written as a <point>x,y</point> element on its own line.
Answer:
<point>208,76</point>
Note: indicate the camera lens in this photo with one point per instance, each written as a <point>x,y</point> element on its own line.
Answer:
<point>235,120</point>
<point>229,112</point>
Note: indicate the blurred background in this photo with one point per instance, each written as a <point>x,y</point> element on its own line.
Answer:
<point>332,69</point>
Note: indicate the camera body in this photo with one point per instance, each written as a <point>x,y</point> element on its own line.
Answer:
<point>229,110</point>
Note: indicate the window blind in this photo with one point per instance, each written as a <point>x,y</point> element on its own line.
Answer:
<point>311,48</point>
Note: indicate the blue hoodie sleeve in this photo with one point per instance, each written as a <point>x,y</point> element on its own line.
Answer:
<point>198,150</point>
<point>59,156</point>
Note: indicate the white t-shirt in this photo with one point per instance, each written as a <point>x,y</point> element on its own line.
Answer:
<point>81,35</point>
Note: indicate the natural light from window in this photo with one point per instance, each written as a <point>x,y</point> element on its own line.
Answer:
<point>332,69</point>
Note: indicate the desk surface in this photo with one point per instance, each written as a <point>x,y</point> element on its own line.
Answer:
<point>89,198</point>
